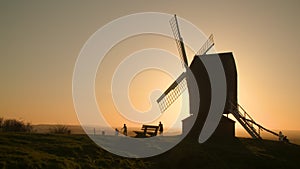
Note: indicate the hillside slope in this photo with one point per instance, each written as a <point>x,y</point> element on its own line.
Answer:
<point>19,150</point>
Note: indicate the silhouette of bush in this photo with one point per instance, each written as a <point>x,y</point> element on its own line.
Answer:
<point>13,125</point>
<point>1,121</point>
<point>60,129</point>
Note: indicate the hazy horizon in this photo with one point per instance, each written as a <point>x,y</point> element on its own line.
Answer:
<point>293,135</point>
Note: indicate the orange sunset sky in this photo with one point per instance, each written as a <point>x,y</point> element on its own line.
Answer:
<point>40,42</point>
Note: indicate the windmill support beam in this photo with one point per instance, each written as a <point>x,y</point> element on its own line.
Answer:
<point>183,53</point>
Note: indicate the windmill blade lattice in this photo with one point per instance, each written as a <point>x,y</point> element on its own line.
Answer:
<point>178,40</point>
<point>172,93</point>
<point>206,46</point>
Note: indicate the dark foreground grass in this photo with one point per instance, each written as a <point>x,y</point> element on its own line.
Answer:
<point>21,150</point>
<point>240,153</point>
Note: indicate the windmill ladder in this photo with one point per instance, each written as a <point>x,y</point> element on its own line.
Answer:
<point>246,121</point>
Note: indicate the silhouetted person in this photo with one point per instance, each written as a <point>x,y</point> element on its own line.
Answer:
<point>124,130</point>
<point>280,136</point>
<point>161,128</point>
<point>116,132</point>
<point>285,139</point>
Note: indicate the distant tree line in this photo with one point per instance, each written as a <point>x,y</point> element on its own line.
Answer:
<point>60,129</point>
<point>13,125</point>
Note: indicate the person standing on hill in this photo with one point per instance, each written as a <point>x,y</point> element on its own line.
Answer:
<point>280,136</point>
<point>161,128</point>
<point>124,130</point>
<point>116,132</point>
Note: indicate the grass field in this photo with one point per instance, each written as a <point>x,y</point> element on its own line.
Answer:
<point>24,150</point>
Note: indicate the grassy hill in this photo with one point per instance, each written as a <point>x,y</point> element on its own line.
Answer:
<point>23,150</point>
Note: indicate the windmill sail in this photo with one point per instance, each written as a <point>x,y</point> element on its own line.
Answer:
<point>180,84</point>
<point>177,87</point>
<point>172,93</point>
<point>206,46</point>
<point>178,40</point>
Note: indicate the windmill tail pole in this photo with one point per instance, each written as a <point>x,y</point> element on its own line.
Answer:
<point>263,128</point>
<point>253,122</point>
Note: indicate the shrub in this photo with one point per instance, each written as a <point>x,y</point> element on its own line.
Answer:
<point>13,125</point>
<point>1,121</point>
<point>60,129</point>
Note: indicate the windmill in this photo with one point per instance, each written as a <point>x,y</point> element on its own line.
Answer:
<point>180,84</point>
<point>226,125</point>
